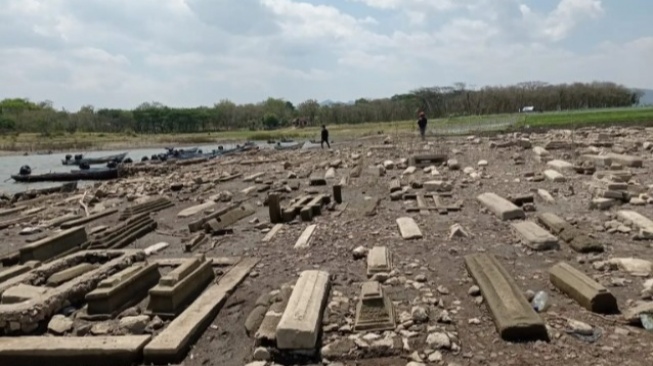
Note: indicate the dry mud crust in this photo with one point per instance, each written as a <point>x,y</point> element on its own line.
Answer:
<point>435,256</point>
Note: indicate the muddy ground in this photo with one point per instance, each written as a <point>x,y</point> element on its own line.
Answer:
<point>436,256</point>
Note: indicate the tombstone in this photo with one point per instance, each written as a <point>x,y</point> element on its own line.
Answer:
<point>375,311</point>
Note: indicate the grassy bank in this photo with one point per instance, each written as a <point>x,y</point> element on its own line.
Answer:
<point>32,142</point>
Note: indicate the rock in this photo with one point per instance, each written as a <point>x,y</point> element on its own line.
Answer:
<point>474,291</point>
<point>59,324</point>
<point>633,265</point>
<point>134,324</point>
<point>31,230</point>
<point>254,319</point>
<point>453,164</point>
<point>438,340</point>
<point>83,330</point>
<point>443,290</point>
<point>155,324</point>
<point>413,363</point>
<point>338,348</point>
<point>579,327</point>
<point>482,163</point>
<point>419,314</point>
<point>416,357</point>
<point>262,354</point>
<point>435,356</point>
<point>360,252</point>
<point>100,329</point>
<point>420,278</point>
<point>444,317</point>
<point>225,196</point>
<point>133,311</point>
<point>175,187</point>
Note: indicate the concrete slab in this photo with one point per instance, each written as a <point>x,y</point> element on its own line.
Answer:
<point>21,293</point>
<point>501,207</point>
<point>576,239</point>
<point>513,316</point>
<point>626,160</point>
<point>379,260</point>
<point>53,246</point>
<point>11,272</point>
<point>554,176</point>
<point>637,219</point>
<point>408,228</point>
<point>171,345</point>
<point>194,210</point>
<point>155,248</point>
<point>70,273</point>
<point>304,240</point>
<point>65,351</point>
<point>545,196</point>
<point>602,203</point>
<point>560,165</point>
<point>541,154</point>
<point>588,293</point>
<point>275,229</point>
<point>253,177</point>
<point>599,160</point>
<point>300,325</point>
<point>230,217</point>
<point>534,236</point>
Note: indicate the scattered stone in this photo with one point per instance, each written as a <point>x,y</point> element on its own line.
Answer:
<point>60,324</point>
<point>360,252</point>
<point>419,314</point>
<point>474,291</point>
<point>134,324</point>
<point>453,164</point>
<point>439,340</point>
<point>262,354</point>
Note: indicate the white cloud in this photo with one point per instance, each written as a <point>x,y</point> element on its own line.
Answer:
<point>557,25</point>
<point>119,53</point>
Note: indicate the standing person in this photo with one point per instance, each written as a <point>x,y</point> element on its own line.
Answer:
<point>325,137</point>
<point>421,122</point>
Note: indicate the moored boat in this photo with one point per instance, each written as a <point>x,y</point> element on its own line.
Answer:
<point>80,159</point>
<point>295,146</point>
<point>75,175</point>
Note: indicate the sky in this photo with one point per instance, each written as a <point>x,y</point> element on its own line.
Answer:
<point>185,53</point>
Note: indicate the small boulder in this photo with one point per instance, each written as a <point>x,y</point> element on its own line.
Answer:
<point>59,324</point>
<point>134,324</point>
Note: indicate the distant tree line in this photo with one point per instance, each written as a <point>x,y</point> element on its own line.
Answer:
<point>22,115</point>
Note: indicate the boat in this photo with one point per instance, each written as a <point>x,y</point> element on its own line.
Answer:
<point>79,159</point>
<point>295,146</point>
<point>74,175</point>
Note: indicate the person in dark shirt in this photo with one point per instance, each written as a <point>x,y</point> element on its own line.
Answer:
<point>421,122</point>
<point>325,137</point>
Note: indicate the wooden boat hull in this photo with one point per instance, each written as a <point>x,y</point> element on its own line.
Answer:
<point>75,175</point>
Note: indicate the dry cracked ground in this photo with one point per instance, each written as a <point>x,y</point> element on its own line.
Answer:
<point>441,316</point>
